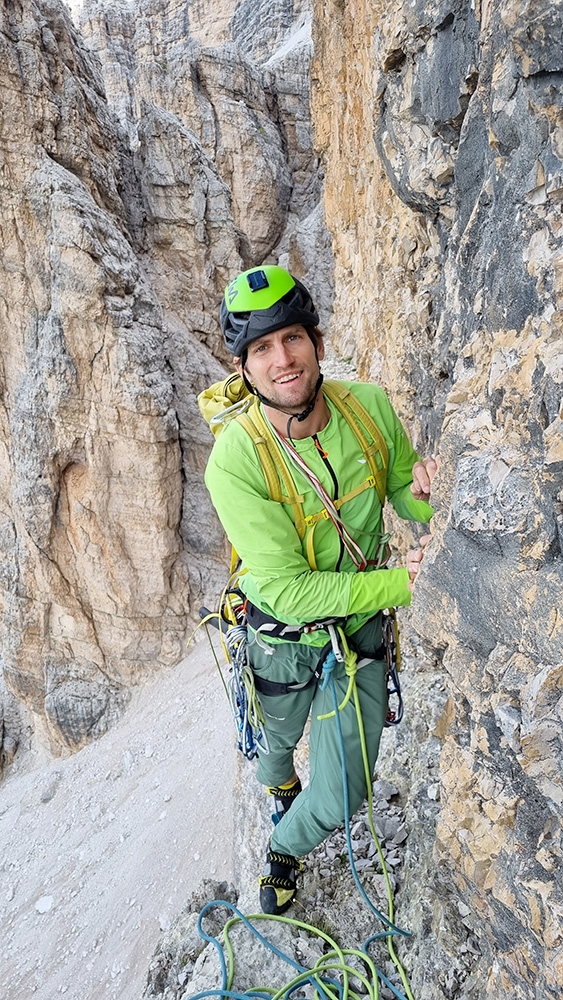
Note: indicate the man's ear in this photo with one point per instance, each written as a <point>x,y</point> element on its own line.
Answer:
<point>320,348</point>
<point>238,365</point>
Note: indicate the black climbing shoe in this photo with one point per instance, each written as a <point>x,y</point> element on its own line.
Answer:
<point>277,884</point>
<point>283,799</point>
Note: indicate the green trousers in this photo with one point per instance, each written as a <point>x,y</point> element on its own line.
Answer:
<point>319,808</point>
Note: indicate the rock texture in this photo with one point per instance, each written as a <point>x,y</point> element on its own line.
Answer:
<point>238,81</point>
<point>144,162</point>
<point>440,130</point>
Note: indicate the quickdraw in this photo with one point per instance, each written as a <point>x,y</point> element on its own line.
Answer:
<point>390,629</point>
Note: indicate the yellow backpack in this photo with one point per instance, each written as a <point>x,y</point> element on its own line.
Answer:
<point>230,400</point>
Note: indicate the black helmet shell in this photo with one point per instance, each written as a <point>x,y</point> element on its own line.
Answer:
<point>260,301</point>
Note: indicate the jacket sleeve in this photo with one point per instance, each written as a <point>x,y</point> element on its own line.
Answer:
<point>265,538</point>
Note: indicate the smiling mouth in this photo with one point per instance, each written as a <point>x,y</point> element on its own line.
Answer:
<point>286,379</point>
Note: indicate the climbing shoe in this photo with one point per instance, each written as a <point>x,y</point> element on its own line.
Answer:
<point>277,884</point>
<point>283,798</point>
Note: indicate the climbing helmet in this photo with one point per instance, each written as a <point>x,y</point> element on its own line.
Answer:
<point>260,301</point>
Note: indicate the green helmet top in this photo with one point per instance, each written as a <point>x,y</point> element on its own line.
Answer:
<point>260,301</point>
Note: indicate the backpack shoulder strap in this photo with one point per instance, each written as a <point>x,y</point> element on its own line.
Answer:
<point>375,451</point>
<point>274,465</point>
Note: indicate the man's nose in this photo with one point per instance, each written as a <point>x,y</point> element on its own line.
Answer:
<point>283,355</point>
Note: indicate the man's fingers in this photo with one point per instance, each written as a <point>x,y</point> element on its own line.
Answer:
<point>420,486</point>
<point>422,475</point>
<point>414,560</point>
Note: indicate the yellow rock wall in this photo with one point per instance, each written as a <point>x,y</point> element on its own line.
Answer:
<point>439,126</point>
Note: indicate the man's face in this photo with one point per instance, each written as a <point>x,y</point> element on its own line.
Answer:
<point>283,366</point>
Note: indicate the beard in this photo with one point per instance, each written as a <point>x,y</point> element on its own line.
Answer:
<point>290,397</point>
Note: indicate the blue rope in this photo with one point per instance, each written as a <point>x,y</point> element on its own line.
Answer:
<point>313,979</point>
<point>328,666</point>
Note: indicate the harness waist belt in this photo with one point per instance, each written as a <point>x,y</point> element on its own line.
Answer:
<point>270,626</point>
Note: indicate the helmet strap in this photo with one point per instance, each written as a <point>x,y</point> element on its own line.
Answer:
<point>293,416</point>
<point>308,409</point>
<point>267,402</point>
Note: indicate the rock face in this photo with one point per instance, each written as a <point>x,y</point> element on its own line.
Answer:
<point>443,197</point>
<point>145,161</point>
<point>138,175</point>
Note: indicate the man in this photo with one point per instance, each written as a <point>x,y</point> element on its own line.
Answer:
<point>334,571</point>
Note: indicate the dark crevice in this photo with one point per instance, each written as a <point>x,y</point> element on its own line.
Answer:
<point>446,23</point>
<point>394,60</point>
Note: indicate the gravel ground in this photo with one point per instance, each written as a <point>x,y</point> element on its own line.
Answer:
<point>100,851</point>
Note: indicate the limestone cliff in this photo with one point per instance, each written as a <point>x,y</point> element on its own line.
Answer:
<point>144,162</point>
<point>440,129</point>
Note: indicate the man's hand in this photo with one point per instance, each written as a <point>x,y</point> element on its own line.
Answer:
<point>422,475</point>
<point>414,559</point>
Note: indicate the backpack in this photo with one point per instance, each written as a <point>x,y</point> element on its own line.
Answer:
<point>230,400</point>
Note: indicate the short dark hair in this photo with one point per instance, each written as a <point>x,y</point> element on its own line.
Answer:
<point>316,335</point>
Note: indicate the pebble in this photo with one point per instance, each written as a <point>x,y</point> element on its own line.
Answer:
<point>363,863</point>
<point>48,793</point>
<point>384,790</point>
<point>44,904</point>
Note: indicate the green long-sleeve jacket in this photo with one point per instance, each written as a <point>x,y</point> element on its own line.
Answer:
<point>278,577</point>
